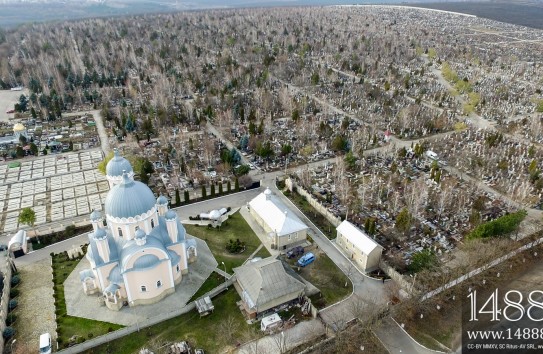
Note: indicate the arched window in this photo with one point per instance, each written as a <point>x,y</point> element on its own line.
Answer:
<point>158,283</point>
<point>120,232</point>
<point>136,228</point>
<point>143,288</point>
<point>177,268</point>
<point>152,223</point>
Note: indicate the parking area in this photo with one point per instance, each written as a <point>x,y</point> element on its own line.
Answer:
<point>56,187</point>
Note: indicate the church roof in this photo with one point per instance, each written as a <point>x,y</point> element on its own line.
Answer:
<point>129,199</point>
<point>266,280</point>
<point>115,275</point>
<point>117,165</point>
<point>276,214</point>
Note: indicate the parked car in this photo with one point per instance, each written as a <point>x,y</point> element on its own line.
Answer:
<point>306,259</point>
<point>295,252</point>
<point>45,344</point>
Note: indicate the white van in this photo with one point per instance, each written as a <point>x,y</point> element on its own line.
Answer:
<point>45,344</point>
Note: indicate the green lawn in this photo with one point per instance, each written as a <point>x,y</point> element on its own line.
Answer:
<point>213,333</point>
<point>234,228</point>
<point>214,280</point>
<point>68,326</point>
<point>327,277</point>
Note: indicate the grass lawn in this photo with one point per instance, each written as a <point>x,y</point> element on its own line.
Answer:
<point>234,228</point>
<point>213,333</point>
<point>214,280</point>
<point>316,218</point>
<point>68,326</point>
<point>327,277</point>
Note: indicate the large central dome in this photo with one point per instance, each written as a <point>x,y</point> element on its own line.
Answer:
<point>129,199</point>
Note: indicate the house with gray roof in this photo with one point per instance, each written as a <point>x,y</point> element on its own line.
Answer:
<point>264,285</point>
<point>143,252</point>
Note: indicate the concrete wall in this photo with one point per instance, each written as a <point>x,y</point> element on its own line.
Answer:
<point>5,267</point>
<point>394,275</point>
<point>315,203</point>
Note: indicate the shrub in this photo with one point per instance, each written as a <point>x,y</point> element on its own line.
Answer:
<point>10,319</point>
<point>13,304</point>
<point>15,280</point>
<point>90,335</point>
<point>110,329</point>
<point>8,332</point>
<point>13,293</point>
<point>235,246</point>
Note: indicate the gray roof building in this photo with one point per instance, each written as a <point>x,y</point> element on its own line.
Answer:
<point>266,284</point>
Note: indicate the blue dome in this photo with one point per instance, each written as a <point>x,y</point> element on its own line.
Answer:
<point>162,200</point>
<point>100,234</point>
<point>170,215</point>
<point>140,234</point>
<point>129,199</point>
<point>117,165</point>
<point>95,215</point>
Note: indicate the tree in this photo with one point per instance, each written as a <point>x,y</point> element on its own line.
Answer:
<point>204,192</point>
<point>315,78</point>
<point>424,259</point>
<point>34,149</point>
<point>295,115</point>
<point>187,197</point>
<point>236,185</point>
<point>228,186</point>
<point>242,170</point>
<point>220,189</point>
<point>403,221</point>
<point>19,152</point>
<point>212,190</point>
<point>350,161</point>
<point>286,149</point>
<point>28,217</point>
<point>340,143</point>
<point>102,164</point>
<point>177,197</point>
<point>499,227</point>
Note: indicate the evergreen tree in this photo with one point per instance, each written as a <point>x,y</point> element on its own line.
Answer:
<point>204,192</point>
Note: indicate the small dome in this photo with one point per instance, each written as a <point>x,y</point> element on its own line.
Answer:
<point>18,127</point>
<point>214,214</point>
<point>117,165</point>
<point>96,215</point>
<point>170,215</point>
<point>140,237</point>
<point>268,191</point>
<point>129,199</point>
<point>139,234</point>
<point>100,234</point>
<point>162,200</point>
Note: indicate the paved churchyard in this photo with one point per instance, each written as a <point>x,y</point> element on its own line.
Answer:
<point>57,187</point>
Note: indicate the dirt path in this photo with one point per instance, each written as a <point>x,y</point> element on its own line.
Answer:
<point>36,309</point>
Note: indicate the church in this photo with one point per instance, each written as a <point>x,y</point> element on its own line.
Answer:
<point>143,252</point>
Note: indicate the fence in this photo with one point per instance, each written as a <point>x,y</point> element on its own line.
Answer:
<point>5,268</point>
<point>291,185</point>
